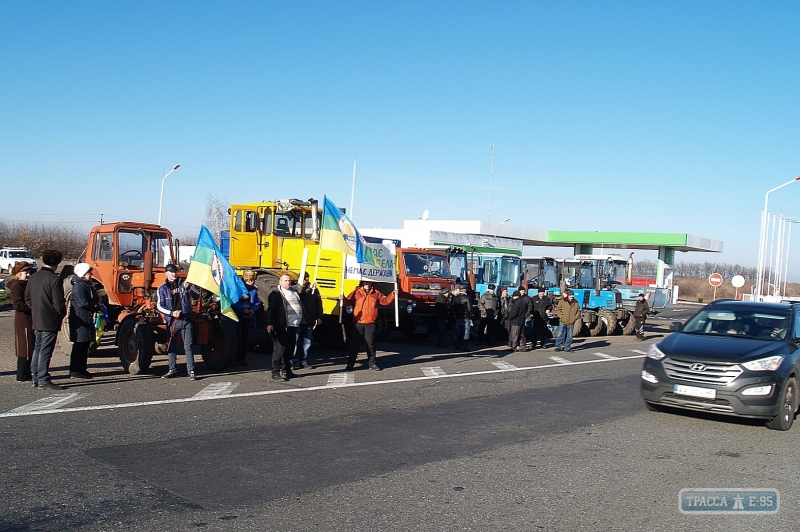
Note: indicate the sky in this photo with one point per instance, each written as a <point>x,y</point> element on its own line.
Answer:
<point>611,116</point>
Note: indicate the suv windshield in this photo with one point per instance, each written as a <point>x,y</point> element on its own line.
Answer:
<point>739,323</point>
<point>19,255</point>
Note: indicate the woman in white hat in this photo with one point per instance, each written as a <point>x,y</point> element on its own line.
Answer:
<point>84,302</point>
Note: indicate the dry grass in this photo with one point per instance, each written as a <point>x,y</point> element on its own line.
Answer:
<point>698,289</point>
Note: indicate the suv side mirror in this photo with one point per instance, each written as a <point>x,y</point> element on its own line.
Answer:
<point>675,325</point>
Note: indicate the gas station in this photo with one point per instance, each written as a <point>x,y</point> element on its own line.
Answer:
<point>502,238</point>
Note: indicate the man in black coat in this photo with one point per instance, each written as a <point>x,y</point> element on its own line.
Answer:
<point>462,314</point>
<point>284,316</point>
<point>640,315</point>
<point>517,314</point>
<point>45,297</point>
<point>541,303</point>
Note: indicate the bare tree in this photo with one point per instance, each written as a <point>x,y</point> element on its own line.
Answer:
<point>216,218</point>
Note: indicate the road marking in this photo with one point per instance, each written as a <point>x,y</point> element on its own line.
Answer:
<point>51,402</point>
<point>298,390</point>
<point>504,365</point>
<point>560,360</point>
<point>605,355</point>
<point>435,371</point>
<point>217,389</point>
<point>341,379</point>
<point>638,351</point>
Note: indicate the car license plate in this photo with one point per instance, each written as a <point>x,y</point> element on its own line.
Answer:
<point>421,329</point>
<point>695,391</point>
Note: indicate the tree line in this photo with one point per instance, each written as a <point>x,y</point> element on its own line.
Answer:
<point>698,269</point>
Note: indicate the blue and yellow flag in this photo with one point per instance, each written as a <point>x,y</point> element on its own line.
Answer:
<point>211,270</point>
<point>339,234</point>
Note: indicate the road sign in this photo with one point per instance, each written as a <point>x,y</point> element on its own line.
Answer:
<point>737,281</point>
<point>715,280</point>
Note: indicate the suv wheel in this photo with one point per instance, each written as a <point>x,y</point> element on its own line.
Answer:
<point>787,407</point>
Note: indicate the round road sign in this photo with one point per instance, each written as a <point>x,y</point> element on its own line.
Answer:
<point>715,280</point>
<point>737,281</point>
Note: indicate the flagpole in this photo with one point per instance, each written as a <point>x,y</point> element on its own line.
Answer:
<point>341,294</point>
<point>316,266</point>
<point>396,299</point>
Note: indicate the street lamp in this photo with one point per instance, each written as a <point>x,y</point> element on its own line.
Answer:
<point>763,237</point>
<point>506,220</point>
<point>161,199</point>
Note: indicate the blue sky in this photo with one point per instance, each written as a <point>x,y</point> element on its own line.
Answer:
<point>612,116</point>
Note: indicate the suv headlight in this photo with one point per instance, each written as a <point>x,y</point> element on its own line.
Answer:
<point>654,352</point>
<point>764,364</point>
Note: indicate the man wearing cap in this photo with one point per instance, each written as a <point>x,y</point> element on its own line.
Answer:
<point>84,302</point>
<point>517,314</point>
<point>365,300</point>
<point>45,297</point>
<point>568,311</point>
<point>441,310</point>
<point>541,305</point>
<point>462,314</point>
<point>173,302</point>
<point>488,304</point>
<point>640,315</point>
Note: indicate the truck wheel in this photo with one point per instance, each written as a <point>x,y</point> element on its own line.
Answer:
<point>629,327</point>
<point>610,320</point>
<point>147,346</point>
<point>786,408</point>
<point>598,328</point>
<point>221,349</point>
<point>577,327</point>
<point>382,330</point>
<point>266,282</point>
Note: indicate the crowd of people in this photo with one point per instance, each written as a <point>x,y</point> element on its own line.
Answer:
<point>291,313</point>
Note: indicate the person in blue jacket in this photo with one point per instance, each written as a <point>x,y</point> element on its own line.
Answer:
<point>173,302</point>
<point>246,309</point>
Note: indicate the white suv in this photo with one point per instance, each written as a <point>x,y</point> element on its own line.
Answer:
<point>9,257</point>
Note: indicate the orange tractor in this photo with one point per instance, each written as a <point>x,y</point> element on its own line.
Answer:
<point>128,259</point>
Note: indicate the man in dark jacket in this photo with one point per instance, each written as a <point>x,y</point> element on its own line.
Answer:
<point>173,301</point>
<point>45,296</point>
<point>462,314</point>
<point>541,304</point>
<point>523,295</point>
<point>84,302</point>
<point>312,305</point>
<point>640,315</point>
<point>517,314</point>
<point>285,315</point>
<point>246,310</point>
<point>442,312</point>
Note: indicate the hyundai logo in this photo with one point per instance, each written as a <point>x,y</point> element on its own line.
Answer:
<point>698,367</point>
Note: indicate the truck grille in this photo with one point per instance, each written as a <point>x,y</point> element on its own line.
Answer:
<point>705,373</point>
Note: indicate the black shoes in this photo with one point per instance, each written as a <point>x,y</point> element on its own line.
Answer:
<point>47,385</point>
<point>80,375</point>
<point>349,368</point>
<point>374,367</point>
<point>291,375</point>
<point>279,377</point>
<point>169,375</point>
<point>192,376</point>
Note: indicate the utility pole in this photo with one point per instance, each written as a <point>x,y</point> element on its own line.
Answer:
<point>352,189</point>
<point>491,178</point>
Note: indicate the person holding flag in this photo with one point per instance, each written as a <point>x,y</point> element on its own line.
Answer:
<point>173,302</point>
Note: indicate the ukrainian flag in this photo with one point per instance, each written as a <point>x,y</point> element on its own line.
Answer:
<point>339,234</point>
<point>211,270</point>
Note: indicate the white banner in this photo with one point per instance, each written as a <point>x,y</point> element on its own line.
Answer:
<point>384,272</point>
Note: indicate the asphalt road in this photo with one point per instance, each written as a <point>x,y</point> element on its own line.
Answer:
<point>490,440</point>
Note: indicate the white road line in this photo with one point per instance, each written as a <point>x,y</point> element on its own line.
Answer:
<point>560,360</point>
<point>435,371</point>
<point>51,402</point>
<point>341,379</point>
<point>605,355</point>
<point>638,351</point>
<point>298,390</point>
<point>504,365</point>
<point>217,389</point>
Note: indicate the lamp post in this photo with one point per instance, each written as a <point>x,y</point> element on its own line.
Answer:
<point>788,221</point>
<point>161,199</point>
<point>763,237</point>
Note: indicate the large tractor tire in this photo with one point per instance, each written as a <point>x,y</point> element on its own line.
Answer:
<point>577,328</point>
<point>220,352</point>
<point>630,326</point>
<point>135,346</point>
<point>610,321</point>
<point>266,282</point>
<point>598,328</point>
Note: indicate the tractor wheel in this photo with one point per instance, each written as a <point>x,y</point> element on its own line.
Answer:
<point>577,328</point>
<point>221,349</point>
<point>129,348</point>
<point>629,327</point>
<point>598,328</point>
<point>610,320</point>
<point>147,346</point>
<point>266,282</point>
<point>382,330</point>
